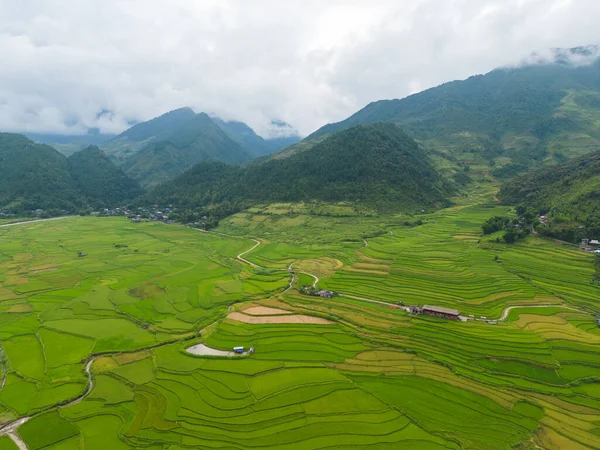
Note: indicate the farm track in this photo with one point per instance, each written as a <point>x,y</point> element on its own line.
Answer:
<point>11,431</point>
<point>510,308</point>
<point>34,221</point>
<point>241,255</point>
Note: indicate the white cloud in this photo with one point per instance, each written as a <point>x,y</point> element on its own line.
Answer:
<point>305,62</point>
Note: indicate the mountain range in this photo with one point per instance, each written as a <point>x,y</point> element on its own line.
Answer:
<point>413,153</point>
<point>170,152</point>
<point>156,151</point>
<point>159,149</point>
<point>377,164</point>
<point>504,122</point>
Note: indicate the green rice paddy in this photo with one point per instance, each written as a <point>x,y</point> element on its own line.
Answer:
<point>374,378</point>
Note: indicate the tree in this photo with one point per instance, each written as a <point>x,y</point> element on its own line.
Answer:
<point>510,237</point>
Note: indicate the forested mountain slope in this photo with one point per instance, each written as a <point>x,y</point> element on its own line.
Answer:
<point>198,139</point>
<point>99,180</point>
<point>508,120</point>
<point>569,194</point>
<point>36,176</point>
<point>169,125</point>
<point>378,165</point>
<point>33,175</point>
<point>142,134</point>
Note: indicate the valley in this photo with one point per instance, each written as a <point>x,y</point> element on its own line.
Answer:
<point>409,277</point>
<point>366,376</point>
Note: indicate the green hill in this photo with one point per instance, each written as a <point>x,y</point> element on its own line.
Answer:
<point>34,176</point>
<point>99,180</point>
<point>197,140</point>
<point>506,121</point>
<point>569,194</point>
<point>377,165</point>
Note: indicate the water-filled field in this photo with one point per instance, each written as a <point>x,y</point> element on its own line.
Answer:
<point>97,314</point>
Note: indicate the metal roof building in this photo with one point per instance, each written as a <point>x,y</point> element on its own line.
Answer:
<point>439,311</point>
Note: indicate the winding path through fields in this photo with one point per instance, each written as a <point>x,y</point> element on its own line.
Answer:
<point>507,311</point>
<point>11,429</point>
<point>241,255</point>
<point>503,317</point>
<point>88,371</point>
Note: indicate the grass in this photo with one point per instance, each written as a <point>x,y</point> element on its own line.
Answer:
<point>377,378</point>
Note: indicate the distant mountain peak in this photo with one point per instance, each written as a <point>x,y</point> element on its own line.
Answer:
<point>278,129</point>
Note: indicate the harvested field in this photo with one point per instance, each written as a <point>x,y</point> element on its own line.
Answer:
<point>264,311</point>
<point>287,318</point>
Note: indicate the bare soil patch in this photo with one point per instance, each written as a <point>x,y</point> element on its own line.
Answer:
<point>289,318</point>
<point>265,311</point>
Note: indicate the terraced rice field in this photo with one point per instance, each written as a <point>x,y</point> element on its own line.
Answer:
<point>350,375</point>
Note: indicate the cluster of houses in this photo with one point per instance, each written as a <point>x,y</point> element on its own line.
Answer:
<point>6,215</point>
<point>591,246</point>
<point>164,215</point>
<point>310,290</point>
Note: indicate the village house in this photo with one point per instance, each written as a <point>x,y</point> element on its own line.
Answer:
<point>435,311</point>
<point>326,294</point>
<point>443,313</point>
<point>414,309</point>
<point>590,245</point>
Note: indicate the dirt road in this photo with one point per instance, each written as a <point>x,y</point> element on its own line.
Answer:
<point>34,221</point>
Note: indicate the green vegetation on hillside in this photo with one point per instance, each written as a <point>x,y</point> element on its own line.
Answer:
<point>568,194</point>
<point>138,136</point>
<point>198,139</point>
<point>36,176</point>
<point>99,180</point>
<point>506,121</point>
<point>376,165</point>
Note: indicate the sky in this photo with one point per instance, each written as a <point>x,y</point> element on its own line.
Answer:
<point>70,65</point>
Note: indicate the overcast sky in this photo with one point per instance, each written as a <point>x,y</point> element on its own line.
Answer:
<point>66,65</point>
